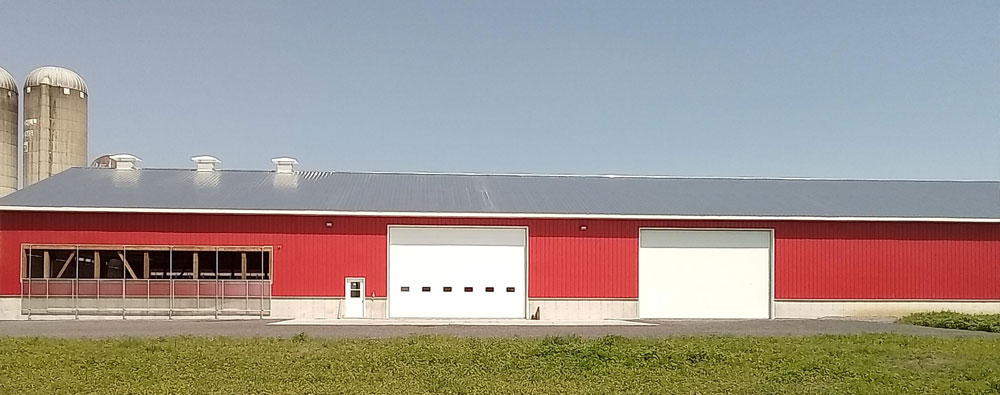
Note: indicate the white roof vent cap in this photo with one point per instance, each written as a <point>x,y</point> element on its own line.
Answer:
<point>206,163</point>
<point>284,165</point>
<point>125,161</point>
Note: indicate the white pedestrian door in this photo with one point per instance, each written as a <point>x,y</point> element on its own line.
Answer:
<point>457,272</point>
<point>354,300</point>
<point>704,273</point>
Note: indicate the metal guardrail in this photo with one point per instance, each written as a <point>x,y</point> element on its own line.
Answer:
<point>218,296</point>
<point>145,297</point>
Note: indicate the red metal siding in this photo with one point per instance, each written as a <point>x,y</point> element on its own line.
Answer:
<point>887,261</point>
<point>565,262</point>
<point>813,260</point>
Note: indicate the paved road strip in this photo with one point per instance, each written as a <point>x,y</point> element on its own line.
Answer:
<point>447,322</point>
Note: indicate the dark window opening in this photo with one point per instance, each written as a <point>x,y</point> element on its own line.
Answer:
<point>111,264</point>
<point>183,266</point>
<point>136,260</point>
<point>468,289</point>
<point>404,289</point>
<point>62,263</point>
<point>489,289</point>
<point>206,265</point>
<point>231,265</point>
<point>85,262</point>
<point>425,289</point>
<point>510,289</point>
<point>258,265</point>
<point>447,289</point>
<point>159,264</point>
<point>35,263</point>
<point>138,263</point>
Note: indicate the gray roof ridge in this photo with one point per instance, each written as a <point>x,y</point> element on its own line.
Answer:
<point>609,176</point>
<point>653,176</point>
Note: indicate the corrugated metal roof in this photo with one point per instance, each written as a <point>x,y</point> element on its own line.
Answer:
<point>506,195</point>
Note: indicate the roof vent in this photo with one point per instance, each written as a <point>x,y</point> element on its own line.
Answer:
<point>206,163</point>
<point>284,165</point>
<point>125,161</point>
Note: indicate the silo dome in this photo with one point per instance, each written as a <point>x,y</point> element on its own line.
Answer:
<point>56,76</point>
<point>7,81</point>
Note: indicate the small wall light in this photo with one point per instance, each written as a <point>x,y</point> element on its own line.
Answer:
<point>329,224</point>
<point>583,228</point>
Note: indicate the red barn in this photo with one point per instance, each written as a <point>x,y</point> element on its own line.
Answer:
<point>286,243</point>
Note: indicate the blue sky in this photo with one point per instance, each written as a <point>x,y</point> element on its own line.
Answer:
<point>857,89</point>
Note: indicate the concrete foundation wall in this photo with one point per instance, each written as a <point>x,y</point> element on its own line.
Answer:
<point>321,308</point>
<point>376,308</point>
<point>584,309</point>
<point>10,308</point>
<point>157,306</point>
<point>551,309</point>
<point>819,309</point>
<point>289,308</point>
<point>306,308</point>
<point>14,308</point>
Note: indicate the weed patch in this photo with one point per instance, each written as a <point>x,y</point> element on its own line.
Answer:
<point>953,320</point>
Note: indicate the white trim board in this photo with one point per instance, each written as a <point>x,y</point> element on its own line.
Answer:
<point>151,210</point>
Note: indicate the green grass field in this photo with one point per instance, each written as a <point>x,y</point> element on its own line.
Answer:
<point>888,364</point>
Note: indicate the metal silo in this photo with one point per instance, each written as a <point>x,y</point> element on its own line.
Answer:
<point>8,133</point>
<point>55,122</point>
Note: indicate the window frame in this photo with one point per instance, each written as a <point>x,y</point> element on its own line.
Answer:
<point>131,248</point>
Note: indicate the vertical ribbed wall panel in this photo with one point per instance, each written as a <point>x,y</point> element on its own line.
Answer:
<point>813,260</point>
<point>888,261</point>
<point>600,262</point>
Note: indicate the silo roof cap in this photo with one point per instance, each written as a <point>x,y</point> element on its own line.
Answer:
<point>56,76</point>
<point>7,81</point>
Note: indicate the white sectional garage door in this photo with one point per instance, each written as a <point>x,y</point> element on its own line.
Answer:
<point>704,273</point>
<point>451,272</point>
